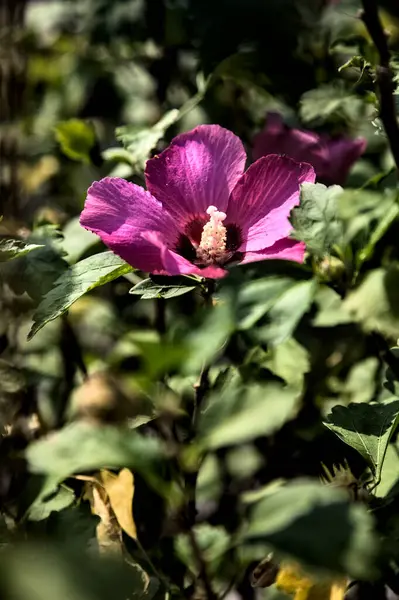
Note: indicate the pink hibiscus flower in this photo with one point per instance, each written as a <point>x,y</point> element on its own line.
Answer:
<point>200,212</point>
<point>332,158</point>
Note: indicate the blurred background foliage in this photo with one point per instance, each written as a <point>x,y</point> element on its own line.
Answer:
<point>114,480</point>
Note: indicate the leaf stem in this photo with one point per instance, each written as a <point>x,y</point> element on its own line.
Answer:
<point>384,74</point>
<point>202,566</point>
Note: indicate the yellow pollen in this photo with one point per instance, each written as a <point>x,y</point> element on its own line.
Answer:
<point>212,247</point>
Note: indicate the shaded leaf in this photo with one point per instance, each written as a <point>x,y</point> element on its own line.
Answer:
<point>77,280</point>
<point>299,518</point>
<point>367,428</point>
<point>35,272</point>
<point>10,249</point>
<point>56,571</point>
<point>213,542</point>
<point>331,104</point>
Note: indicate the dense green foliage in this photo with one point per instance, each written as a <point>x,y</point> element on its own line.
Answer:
<point>160,436</point>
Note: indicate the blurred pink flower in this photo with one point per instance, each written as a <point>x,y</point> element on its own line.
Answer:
<point>332,158</point>
<point>201,211</point>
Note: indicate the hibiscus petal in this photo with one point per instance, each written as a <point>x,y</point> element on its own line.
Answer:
<point>262,200</point>
<point>199,169</point>
<point>174,264</point>
<point>118,212</point>
<point>287,249</point>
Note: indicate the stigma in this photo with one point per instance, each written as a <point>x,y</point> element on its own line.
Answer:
<point>212,247</point>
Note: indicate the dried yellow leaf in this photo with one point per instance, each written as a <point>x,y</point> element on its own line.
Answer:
<point>120,491</point>
<point>293,580</point>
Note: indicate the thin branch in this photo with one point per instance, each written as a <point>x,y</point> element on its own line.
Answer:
<point>202,566</point>
<point>384,74</point>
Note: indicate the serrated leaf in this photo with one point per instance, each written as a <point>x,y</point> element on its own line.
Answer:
<point>149,288</point>
<point>331,104</point>
<point>299,518</point>
<point>82,447</point>
<point>367,428</point>
<point>77,280</point>
<point>241,413</point>
<point>315,220</point>
<point>76,138</point>
<point>10,249</point>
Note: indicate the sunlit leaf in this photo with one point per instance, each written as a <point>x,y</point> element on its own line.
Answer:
<point>170,287</point>
<point>76,138</point>
<point>316,221</point>
<point>241,413</point>
<point>367,428</point>
<point>79,279</point>
<point>81,447</point>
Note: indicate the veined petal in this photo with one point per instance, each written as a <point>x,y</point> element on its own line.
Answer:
<point>286,249</point>
<point>262,200</point>
<point>118,212</point>
<point>174,264</point>
<point>199,169</point>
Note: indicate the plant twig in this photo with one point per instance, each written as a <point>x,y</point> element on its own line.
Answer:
<point>384,75</point>
<point>202,566</point>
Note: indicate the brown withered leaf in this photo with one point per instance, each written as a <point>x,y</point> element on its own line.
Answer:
<point>108,531</point>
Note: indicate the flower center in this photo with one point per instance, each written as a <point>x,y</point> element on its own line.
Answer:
<point>212,247</point>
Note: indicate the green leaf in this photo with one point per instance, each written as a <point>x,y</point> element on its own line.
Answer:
<point>288,360</point>
<point>286,313</point>
<point>367,216</point>
<point>241,413</point>
<point>43,506</point>
<point>140,142</point>
<point>315,220</point>
<point>375,302</point>
<point>82,447</point>
<point>56,570</point>
<point>206,340</point>
<point>77,280</point>
<point>245,69</point>
<point>214,542</point>
<point>35,272</point>
<point>77,240</point>
<point>367,428</point>
<point>332,104</point>
<point>77,139</point>
<point>300,517</point>
<point>390,472</point>
<point>10,249</point>
<point>170,287</point>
